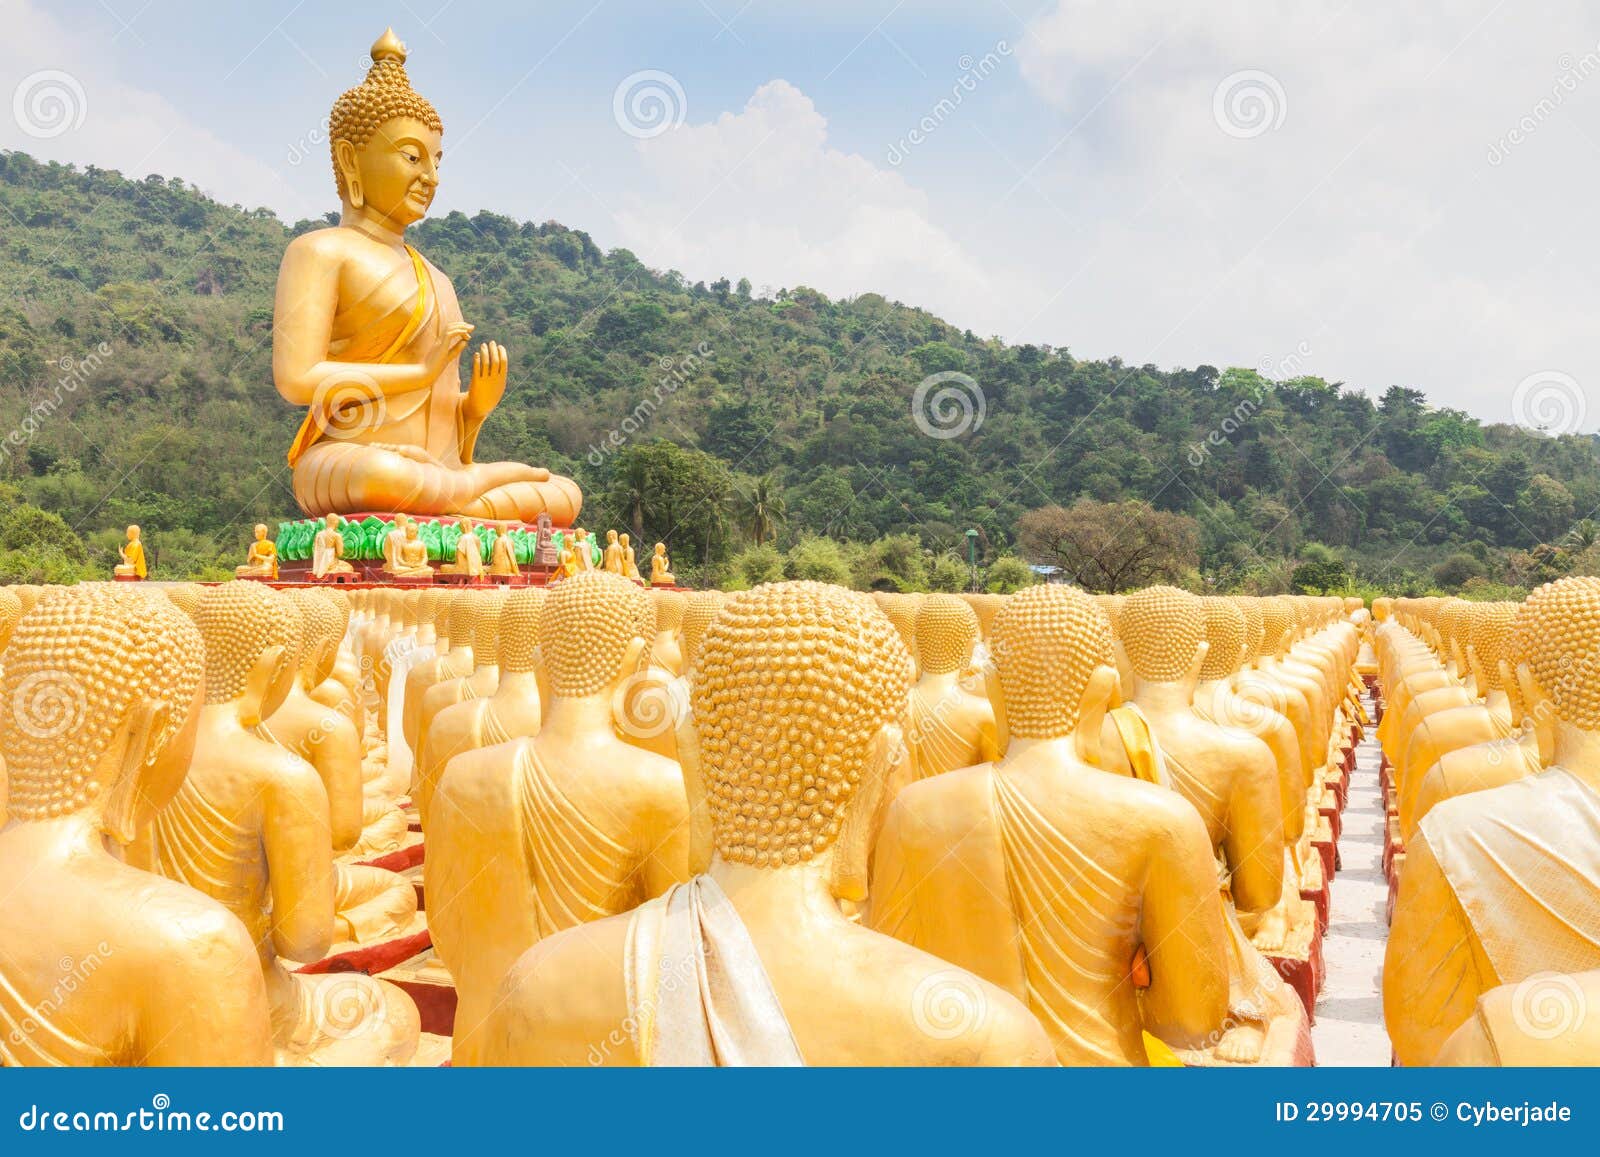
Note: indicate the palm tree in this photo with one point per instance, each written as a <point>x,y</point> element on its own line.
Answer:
<point>764,510</point>
<point>1584,534</point>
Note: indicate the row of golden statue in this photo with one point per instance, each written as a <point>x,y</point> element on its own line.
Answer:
<point>1490,730</point>
<point>797,824</point>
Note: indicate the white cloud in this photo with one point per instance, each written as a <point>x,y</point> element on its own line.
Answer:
<point>760,193</point>
<point>64,102</point>
<point>1369,224</point>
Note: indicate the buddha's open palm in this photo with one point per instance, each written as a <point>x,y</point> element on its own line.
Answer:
<point>488,385</point>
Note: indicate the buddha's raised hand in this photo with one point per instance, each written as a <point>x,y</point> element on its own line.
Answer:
<point>488,386</point>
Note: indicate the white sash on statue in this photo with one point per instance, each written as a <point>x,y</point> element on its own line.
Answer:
<point>403,654</point>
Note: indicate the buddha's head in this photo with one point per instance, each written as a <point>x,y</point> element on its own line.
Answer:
<point>984,605</point>
<point>946,632</point>
<point>661,550</point>
<point>624,540</point>
<point>1562,632</point>
<point>1226,636</point>
<point>332,522</point>
<point>341,605</point>
<point>261,532</point>
<point>435,609</point>
<point>594,633</point>
<point>133,534</point>
<point>386,142</point>
<point>250,633</point>
<point>1488,631</point>
<point>1162,630</point>
<point>82,734</point>
<point>901,611</point>
<point>411,531</point>
<point>486,628</point>
<point>798,691</point>
<point>1254,629</point>
<point>467,526</point>
<point>698,611</point>
<point>463,613</point>
<point>321,631</point>
<point>669,610</point>
<point>1049,642</point>
<point>1277,626</point>
<point>184,596</point>
<point>519,630</point>
<point>611,537</point>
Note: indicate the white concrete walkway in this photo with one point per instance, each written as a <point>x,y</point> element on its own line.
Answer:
<point>1349,1028</point>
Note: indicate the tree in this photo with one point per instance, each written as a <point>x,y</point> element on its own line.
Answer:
<point>949,573</point>
<point>818,559</point>
<point>1007,575</point>
<point>1321,572</point>
<point>753,566</point>
<point>1112,546</point>
<point>764,509</point>
<point>674,495</point>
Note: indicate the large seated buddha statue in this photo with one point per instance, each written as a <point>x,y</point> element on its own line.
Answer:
<point>1498,885</point>
<point>798,689</point>
<point>366,336</point>
<point>101,963</point>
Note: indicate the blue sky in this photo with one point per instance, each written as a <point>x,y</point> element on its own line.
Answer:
<point>1369,192</point>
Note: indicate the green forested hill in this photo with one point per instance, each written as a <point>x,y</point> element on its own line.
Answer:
<point>135,347</point>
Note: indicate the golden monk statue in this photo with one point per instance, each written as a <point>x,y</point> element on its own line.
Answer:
<point>660,567</point>
<point>250,829</point>
<point>1092,897</point>
<point>410,557</point>
<point>367,334</point>
<point>479,683</point>
<point>529,837</point>
<point>630,562</point>
<point>611,555</point>
<point>262,560</point>
<point>327,549</point>
<point>132,552</point>
<point>752,962</point>
<point>950,726</point>
<point>1499,885</point>
<point>469,553</point>
<point>503,559</point>
<point>100,963</point>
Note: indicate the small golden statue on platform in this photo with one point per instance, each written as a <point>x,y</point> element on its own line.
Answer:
<point>262,561</point>
<point>410,558</point>
<point>327,550</point>
<point>469,553</point>
<point>132,566</point>
<point>660,569</point>
<point>630,564</point>
<point>612,553</point>
<point>503,559</point>
<point>367,334</point>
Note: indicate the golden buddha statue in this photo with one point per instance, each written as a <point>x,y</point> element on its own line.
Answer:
<point>262,559</point>
<point>366,335</point>
<point>1089,896</point>
<point>469,552</point>
<point>660,567</point>
<point>94,751</point>
<point>753,962</point>
<point>665,650</point>
<point>950,726</point>
<point>1498,885</point>
<point>452,659</point>
<point>479,683</point>
<point>250,828</point>
<point>1542,1022</point>
<point>132,552</point>
<point>612,554</point>
<point>410,557</point>
<point>503,559</point>
<point>901,611</point>
<point>582,548</point>
<point>532,836</point>
<point>630,563</point>
<point>327,549</point>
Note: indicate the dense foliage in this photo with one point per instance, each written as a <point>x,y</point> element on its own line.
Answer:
<point>135,384</point>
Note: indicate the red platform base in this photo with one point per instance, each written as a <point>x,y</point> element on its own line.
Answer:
<point>1304,976</point>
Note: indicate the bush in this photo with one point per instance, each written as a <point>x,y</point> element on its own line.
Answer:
<point>753,566</point>
<point>949,574</point>
<point>892,564</point>
<point>819,560</point>
<point>1008,574</point>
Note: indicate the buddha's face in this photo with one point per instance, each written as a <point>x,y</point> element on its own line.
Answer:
<point>398,170</point>
<point>261,532</point>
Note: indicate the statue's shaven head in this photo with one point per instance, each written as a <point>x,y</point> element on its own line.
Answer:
<point>321,630</point>
<point>1277,625</point>
<point>1225,631</point>
<point>985,606</point>
<point>1488,632</point>
<point>901,611</point>
<point>1047,641</point>
<point>1112,606</point>
<point>589,621</point>
<point>791,685</point>
<point>239,622</point>
<point>435,607</point>
<point>486,626</point>
<point>341,603</point>
<point>463,614</point>
<point>701,608</point>
<point>1254,629</point>
<point>386,93</point>
<point>519,630</point>
<point>63,704</point>
<point>1160,629</point>
<point>1563,636</point>
<point>946,631</point>
<point>669,609</point>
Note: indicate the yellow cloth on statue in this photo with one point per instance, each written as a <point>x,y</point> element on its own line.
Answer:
<point>1144,753</point>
